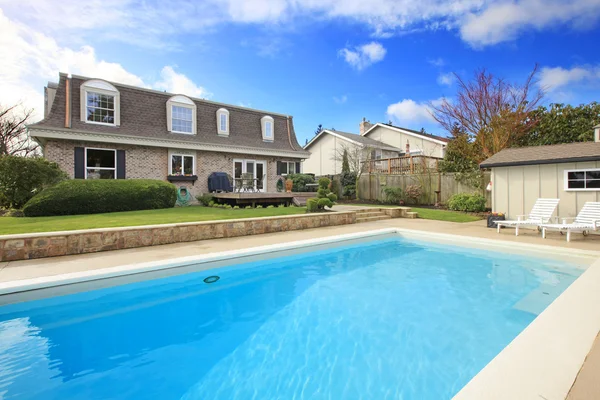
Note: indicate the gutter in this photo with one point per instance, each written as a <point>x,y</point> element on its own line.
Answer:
<point>539,162</point>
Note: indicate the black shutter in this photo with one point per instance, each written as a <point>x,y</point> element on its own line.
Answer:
<point>279,167</point>
<point>298,168</point>
<point>79,163</point>
<point>120,164</point>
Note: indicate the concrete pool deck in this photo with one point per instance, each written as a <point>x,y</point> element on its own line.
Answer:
<point>585,386</point>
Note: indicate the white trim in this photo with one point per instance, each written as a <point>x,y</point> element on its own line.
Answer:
<point>222,112</point>
<point>244,162</point>
<point>363,145</point>
<point>183,155</point>
<point>263,124</point>
<point>85,166</point>
<point>405,132</point>
<point>182,102</point>
<point>100,87</point>
<point>566,180</point>
<point>112,138</point>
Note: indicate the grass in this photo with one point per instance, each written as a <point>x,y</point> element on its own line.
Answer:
<point>438,215</point>
<point>14,225</point>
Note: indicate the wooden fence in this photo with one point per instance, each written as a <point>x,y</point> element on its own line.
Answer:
<point>371,186</point>
<point>400,165</point>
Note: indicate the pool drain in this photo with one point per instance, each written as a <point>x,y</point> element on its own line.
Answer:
<point>211,279</point>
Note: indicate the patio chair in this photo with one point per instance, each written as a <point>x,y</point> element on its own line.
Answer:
<point>587,220</point>
<point>248,182</point>
<point>541,213</point>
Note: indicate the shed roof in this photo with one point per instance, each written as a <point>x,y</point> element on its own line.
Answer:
<point>551,154</point>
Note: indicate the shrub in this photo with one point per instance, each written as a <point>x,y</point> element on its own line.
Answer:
<point>349,191</point>
<point>215,205</point>
<point>311,205</point>
<point>393,195</point>
<point>227,206</point>
<point>413,192</point>
<point>467,202</point>
<point>259,206</point>
<point>211,203</point>
<point>335,187</point>
<point>324,202</point>
<point>347,178</point>
<point>236,207</point>
<point>300,181</point>
<point>205,199</point>
<point>324,183</point>
<point>81,196</point>
<point>248,207</point>
<point>281,205</point>
<point>21,178</point>
<point>332,197</point>
<point>271,206</point>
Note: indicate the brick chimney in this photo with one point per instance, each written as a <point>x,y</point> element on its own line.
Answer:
<point>364,125</point>
<point>407,148</point>
<point>597,133</point>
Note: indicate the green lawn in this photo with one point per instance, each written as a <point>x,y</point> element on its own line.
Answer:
<point>12,225</point>
<point>439,215</point>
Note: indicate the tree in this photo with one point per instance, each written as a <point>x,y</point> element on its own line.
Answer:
<point>14,139</point>
<point>319,129</point>
<point>560,123</point>
<point>494,113</point>
<point>345,163</point>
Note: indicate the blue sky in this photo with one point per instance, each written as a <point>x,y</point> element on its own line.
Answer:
<point>324,62</point>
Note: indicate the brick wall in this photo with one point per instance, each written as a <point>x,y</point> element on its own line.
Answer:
<point>143,162</point>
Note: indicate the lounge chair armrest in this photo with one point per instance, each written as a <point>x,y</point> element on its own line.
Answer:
<point>596,224</point>
<point>564,220</point>
<point>520,217</point>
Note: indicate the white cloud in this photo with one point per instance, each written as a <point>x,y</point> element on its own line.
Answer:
<point>505,21</point>
<point>362,56</point>
<point>340,100</point>
<point>175,82</point>
<point>556,77</point>
<point>29,59</point>
<point>409,111</point>
<point>446,79</point>
<point>158,24</point>
<point>437,62</point>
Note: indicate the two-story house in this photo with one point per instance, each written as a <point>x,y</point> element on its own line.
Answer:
<point>95,129</point>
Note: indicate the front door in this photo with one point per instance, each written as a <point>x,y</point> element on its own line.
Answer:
<point>257,169</point>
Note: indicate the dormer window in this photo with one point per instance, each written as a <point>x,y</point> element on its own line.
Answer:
<point>100,103</point>
<point>267,128</point>
<point>181,115</point>
<point>223,122</point>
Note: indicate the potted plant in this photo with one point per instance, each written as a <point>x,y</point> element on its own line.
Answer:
<point>493,217</point>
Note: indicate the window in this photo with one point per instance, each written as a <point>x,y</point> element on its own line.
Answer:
<point>222,122</point>
<point>181,165</point>
<point>584,179</point>
<point>182,119</point>
<point>376,154</point>
<point>181,115</point>
<point>100,164</point>
<point>267,128</point>
<point>288,167</point>
<point>99,103</point>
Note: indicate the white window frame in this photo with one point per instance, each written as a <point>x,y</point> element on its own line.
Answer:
<point>182,155</point>
<point>566,180</point>
<point>263,123</point>
<point>103,168</point>
<point>222,112</point>
<point>99,87</point>
<point>288,167</point>
<point>185,102</point>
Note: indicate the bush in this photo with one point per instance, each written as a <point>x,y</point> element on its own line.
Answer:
<point>281,205</point>
<point>312,205</point>
<point>21,178</point>
<point>324,202</point>
<point>259,206</point>
<point>332,197</point>
<point>271,206</point>
<point>248,207</point>
<point>227,206</point>
<point>467,202</point>
<point>413,192</point>
<point>335,187</point>
<point>349,191</point>
<point>300,181</point>
<point>393,195</point>
<point>81,196</point>
<point>324,183</point>
<point>211,203</point>
<point>236,207</point>
<point>205,199</point>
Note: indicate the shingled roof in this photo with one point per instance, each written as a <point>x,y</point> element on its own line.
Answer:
<point>551,154</point>
<point>143,115</point>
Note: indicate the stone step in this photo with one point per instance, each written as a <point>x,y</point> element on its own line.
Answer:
<point>372,219</point>
<point>369,214</point>
<point>412,214</point>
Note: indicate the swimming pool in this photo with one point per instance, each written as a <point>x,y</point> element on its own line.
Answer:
<point>387,317</point>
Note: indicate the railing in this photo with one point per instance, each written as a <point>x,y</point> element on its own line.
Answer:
<point>407,165</point>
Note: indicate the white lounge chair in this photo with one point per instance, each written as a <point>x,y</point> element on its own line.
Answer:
<point>540,214</point>
<point>587,220</point>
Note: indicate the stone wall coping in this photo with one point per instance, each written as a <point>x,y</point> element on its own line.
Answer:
<point>146,227</point>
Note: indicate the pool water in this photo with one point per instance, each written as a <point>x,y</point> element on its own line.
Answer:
<point>383,319</point>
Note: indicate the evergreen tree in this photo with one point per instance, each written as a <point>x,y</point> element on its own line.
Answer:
<point>319,129</point>
<point>345,163</point>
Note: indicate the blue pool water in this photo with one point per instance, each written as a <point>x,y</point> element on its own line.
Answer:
<point>384,319</point>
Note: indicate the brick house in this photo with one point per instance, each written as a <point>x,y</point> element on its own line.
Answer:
<point>96,129</point>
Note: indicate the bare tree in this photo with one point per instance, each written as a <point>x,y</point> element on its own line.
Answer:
<point>493,112</point>
<point>14,139</point>
<point>356,156</point>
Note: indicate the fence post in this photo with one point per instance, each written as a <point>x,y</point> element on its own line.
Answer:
<point>412,166</point>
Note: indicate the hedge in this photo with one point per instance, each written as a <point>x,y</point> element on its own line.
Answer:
<point>81,196</point>
<point>467,202</point>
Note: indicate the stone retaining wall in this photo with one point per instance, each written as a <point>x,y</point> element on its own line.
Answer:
<point>51,244</point>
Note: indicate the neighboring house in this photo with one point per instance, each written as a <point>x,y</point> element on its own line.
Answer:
<point>413,142</point>
<point>327,147</point>
<point>569,172</point>
<point>96,129</point>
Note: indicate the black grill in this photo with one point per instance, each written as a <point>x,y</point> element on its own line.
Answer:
<point>219,182</point>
